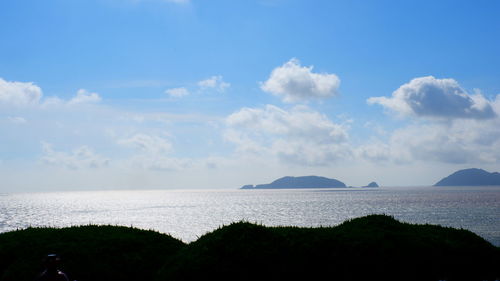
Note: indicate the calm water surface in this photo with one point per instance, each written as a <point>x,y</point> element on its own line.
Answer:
<point>189,214</point>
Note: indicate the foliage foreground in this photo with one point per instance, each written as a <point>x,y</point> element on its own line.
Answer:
<point>375,247</point>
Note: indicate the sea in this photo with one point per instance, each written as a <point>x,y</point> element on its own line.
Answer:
<point>189,214</point>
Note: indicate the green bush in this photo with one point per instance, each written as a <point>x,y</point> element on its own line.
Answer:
<point>87,252</point>
<point>375,247</point>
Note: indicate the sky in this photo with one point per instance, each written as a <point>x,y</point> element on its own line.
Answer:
<point>146,94</point>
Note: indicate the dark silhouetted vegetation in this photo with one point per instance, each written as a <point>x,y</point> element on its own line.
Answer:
<point>87,252</point>
<point>375,247</point>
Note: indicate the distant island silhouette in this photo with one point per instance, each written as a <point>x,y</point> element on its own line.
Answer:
<point>303,182</point>
<point>299,182</point>
<point>465,177</point>
<point>470,177</point>
<point>372,184</point>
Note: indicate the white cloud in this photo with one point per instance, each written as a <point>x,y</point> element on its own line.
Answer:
<point>457,142</point>
<point>159,162</point>
<point>471,134</point>
<point>148,144</point>
<point>153,153</point>
<point>177,92</point>
<point>19,93</point>
<point>293,83</point>
<point>22,94</point>
<point>298,136</point>
<point>83,96</point>
<point>79,158</point>
<point>17,120</point>
<point>300,121</point>
<point>214,82</point>
<point>374,151</point>
<point>436,98</point>
<point>52,102</point>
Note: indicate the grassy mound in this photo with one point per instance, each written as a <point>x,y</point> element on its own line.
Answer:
<point>87,252</point>
<point>375,247</point>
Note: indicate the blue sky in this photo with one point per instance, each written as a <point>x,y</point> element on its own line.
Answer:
<point>105,94</point>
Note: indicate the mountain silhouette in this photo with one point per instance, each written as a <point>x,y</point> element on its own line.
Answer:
<point>299,182</point>
<point>372,184</point>
<point>470,177</point>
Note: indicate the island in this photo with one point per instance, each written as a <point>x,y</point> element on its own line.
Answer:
<point>470,177</point>
<point>372,184</point>
<point>299,182</point>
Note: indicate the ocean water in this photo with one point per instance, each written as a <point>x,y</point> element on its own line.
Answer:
<point>188,214</point>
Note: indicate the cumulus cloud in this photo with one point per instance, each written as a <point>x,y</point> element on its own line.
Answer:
<point>83,96</point>
<point>375,151</point>
<point>16,120</point>
<point>177,92</point>
<point>298,122</point>
<point>436,98</point>
<point>300,135</point>
<point>79,158</point>
<point>471,134</point>
<point>159,162</point>
<point>214,82</point>
<point>458,143</point>
<point>293,82</point>
<point>153,153</point>
<point>467,141</point>
<point>19,93</point>
<point>148,144</point>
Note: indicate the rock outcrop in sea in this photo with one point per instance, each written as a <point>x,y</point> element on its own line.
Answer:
<point>372,184</point>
